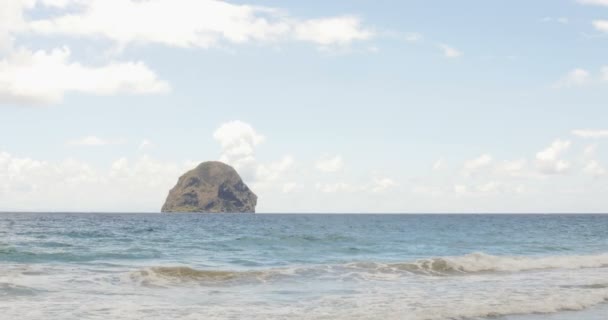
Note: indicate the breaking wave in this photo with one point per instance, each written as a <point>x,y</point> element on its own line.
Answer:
<point>481,262</point>
<point>441,266</point>
<point>167,275</point>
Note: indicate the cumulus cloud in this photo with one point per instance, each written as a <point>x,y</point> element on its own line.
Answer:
<point>589,133</point>
<point>290,187</point>
<point>480,162</point>
<point>594,168</point>
<point>486,189</point>
<point>238,141</point>
<point>589,151</point>
<point>196,23</point>
<point>413,37</point>
<point>548,161</point>
<point>145,144</point>
<point>581,77</point>
<point>330,163</point>
<point>601,25</point>
<point>330,31</point>
<point>594,2</point>
<point>450,52</point>
<point>576,77</point>
<point>513,167</point>
<point>439,164</point>
<point>93,141</point>
<point>274,170</point>
<point>135,185</point>
<point>336,187</point>
<point>43,77</point>
<point>382,184</point>
<point>12,20</point>
<point>461,189</point>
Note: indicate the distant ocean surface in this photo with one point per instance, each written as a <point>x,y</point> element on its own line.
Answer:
<point>411,267</point>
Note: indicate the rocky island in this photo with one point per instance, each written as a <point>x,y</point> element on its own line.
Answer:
<point>211,187</point>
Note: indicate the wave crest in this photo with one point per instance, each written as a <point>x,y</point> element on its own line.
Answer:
<point>481,262</point>
<point>169,275</point>
<point>441,266</point>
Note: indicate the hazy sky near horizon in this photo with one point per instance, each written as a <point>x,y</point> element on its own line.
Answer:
<point>322,106</point>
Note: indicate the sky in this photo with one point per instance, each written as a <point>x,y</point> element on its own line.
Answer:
<point>321,106</point>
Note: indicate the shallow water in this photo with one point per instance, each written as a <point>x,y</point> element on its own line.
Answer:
<point>187,266</point>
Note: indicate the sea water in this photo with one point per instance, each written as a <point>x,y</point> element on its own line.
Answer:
<point>197,266</point>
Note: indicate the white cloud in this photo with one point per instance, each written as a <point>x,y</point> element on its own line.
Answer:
<point>461,189</point>
<point>594,168</point>
<point>373,49</point>
<point>238,141</point>
<point>548,160</point>
<point>11,20</point>
<point>438,165</point>
<point>273,171</point>
<point>576,77</point>
<point>594,2</point>
<point>429,191</point>
<point>290,187</point>
<point>138,185</point>
<point>507,169</point>
<point>383,184</point>
<point>413,37</point>
<point>514,167</point>
<point>589,151</point>
<point>45,77</point>
<point>479,162</point>
<point>330,163</point>
<point>553,151</point>
<point>336,187</point>
<point>580,77</point>
<point>377,185</point>
<point>93,141</point>
<point>601,25</point>
<point>589,133</point>
<point>196,23</point>
<point>332,31</point>
<point>450,52</point>
<point>488,189</point>
<point>145,144</point>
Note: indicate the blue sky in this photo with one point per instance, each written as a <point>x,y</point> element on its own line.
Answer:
<point>348,106</point>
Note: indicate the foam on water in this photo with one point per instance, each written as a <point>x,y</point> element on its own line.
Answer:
<point>90,267</point>
<point>187,293</point>
<point>481,262</point>
<point>171,275</point>
<point>440,266</point>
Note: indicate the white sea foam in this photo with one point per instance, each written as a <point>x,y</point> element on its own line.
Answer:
<point>164,276</point>
<point>481,262</point>
<point>460,287</point>
<point>441,266</point>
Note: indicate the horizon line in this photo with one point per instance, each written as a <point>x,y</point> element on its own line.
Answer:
<point>302,213</point>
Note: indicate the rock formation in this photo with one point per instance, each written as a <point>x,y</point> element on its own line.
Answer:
<point>212,187</point>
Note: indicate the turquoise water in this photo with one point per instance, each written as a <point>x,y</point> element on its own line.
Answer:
<point>187,266</point>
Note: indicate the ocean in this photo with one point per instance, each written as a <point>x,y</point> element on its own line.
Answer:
<point>261,266</point>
